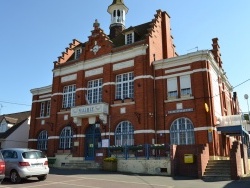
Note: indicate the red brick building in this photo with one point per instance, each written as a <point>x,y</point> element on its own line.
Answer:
<point>131,87</point>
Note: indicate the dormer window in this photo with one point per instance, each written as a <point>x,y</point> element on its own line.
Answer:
<point>78,53</point>
<point>129,38</point>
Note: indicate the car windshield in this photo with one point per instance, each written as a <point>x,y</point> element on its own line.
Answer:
<point>33,155</point>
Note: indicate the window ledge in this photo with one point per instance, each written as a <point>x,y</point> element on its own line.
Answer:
<point>45,117</point>
<point>179,99</point>
<point>123,104</point>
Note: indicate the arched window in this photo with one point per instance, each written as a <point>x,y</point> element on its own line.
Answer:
<point>66,138</point>
<point>124,134</point>
<point>42,140</point>
<point>182,132</point>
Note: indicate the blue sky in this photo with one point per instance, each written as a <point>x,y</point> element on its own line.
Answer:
<point>33,33</point>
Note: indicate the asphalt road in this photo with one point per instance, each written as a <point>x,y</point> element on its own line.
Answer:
<point>99,179</point>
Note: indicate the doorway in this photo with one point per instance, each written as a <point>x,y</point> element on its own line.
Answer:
<point>92,141</point>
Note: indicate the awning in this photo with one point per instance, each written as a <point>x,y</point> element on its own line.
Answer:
<point>235,130</point>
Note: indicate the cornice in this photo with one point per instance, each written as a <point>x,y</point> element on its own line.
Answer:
<point>102,60</point>
<point>41,90</point>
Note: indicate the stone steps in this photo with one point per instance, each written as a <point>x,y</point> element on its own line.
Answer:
<point>217,170</point>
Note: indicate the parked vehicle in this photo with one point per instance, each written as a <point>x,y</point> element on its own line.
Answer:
<point>23,163</point>
<point>2,168</point>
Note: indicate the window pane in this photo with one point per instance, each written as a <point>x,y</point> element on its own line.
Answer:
<point>69,96</point>
<point>182,132</point>
<point>125,86</point>
<point>94,92</point>
<point>124,134</point>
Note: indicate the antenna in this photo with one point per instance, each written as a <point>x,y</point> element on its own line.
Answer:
<point>194,48</point>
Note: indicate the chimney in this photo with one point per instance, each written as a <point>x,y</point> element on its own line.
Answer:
<point>216,52</point>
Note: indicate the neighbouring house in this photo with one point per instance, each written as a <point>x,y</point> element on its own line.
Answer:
<point>14,130</point>
<point>130,90</point>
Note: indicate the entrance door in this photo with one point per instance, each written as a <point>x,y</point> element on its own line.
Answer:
<point>93,137</point>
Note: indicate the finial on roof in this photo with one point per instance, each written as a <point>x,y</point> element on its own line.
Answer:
<point>96,24</point>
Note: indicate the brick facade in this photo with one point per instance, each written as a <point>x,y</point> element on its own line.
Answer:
<point>153,60</point>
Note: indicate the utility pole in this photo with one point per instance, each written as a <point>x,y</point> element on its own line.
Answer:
<point>1,106</point>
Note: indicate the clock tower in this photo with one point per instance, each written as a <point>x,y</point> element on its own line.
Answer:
<point>118,12</point>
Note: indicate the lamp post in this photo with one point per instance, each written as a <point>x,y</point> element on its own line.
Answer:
<point>246,97</point>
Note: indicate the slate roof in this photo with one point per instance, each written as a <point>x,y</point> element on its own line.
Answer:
<point>141,31</point>
<point>17,119</point>
<point>5,134</point>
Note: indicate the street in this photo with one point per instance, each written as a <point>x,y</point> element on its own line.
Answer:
<point>59,178</point>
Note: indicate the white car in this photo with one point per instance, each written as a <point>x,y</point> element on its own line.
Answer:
<point>23,163</point>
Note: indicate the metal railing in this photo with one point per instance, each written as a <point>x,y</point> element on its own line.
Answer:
<point>145,151</point>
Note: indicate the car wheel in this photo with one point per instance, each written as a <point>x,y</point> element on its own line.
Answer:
<point>42,178</point>
<point>14,177</point>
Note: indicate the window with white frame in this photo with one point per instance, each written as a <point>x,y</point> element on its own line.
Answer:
<point>182,132</point>
<point>172,87</point>
<point>185,85</point>
<point>45,109</point>
<point>78,53</point>
<point>129,38</point>
<point>125,86</point>
<point>124,134</point>
<point>42,140</point>
<point>66,138</point>
<point>94,93</point>
<point>42,109</point>
<point>48,108</point>
<point>69,96</point>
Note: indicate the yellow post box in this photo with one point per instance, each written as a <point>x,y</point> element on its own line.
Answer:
<point>188,158</point>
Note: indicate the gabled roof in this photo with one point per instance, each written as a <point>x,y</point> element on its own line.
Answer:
<point>11,130</point>
<point>141,31</point>
<point>15,117</point>
<point>11,120</point>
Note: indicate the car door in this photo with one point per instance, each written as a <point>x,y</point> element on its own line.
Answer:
<point>10,158</point>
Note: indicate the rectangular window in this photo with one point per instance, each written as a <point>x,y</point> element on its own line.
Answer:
<point>125,86</point>
<point>69,97</point>
<point>43,112</point>
<point>172,87</point>
<point>48,108</point>
<point>77,53</point>
<point>129,38</point>
<point>94,93</point>
<point>185,84</point>
<point>42,109</point>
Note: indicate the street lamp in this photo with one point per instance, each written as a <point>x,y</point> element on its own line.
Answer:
<point>246,97</point>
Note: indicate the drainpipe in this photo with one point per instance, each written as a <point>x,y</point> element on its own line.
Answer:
<point>155,109</point>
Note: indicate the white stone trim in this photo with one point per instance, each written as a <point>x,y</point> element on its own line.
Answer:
<point>68,78</point>
<point>79,136</point>
<point>203,128</point>
<point>108,83</point>
<point>53,137</point>
<point>32,140</point>
<point>143,77</point>
<point>54,94</point>
<point>123,65</point>
<point>94,72</point>
<point>185,59</point>
<point>144,131</point>
<point>42,100</point>
<point>178,69</point>
<point>103,60</point>
<point>123,104</point>
<point>41,90</point>
<point>181,74</point>
<point>163,132</point>
<point>45,96</point>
